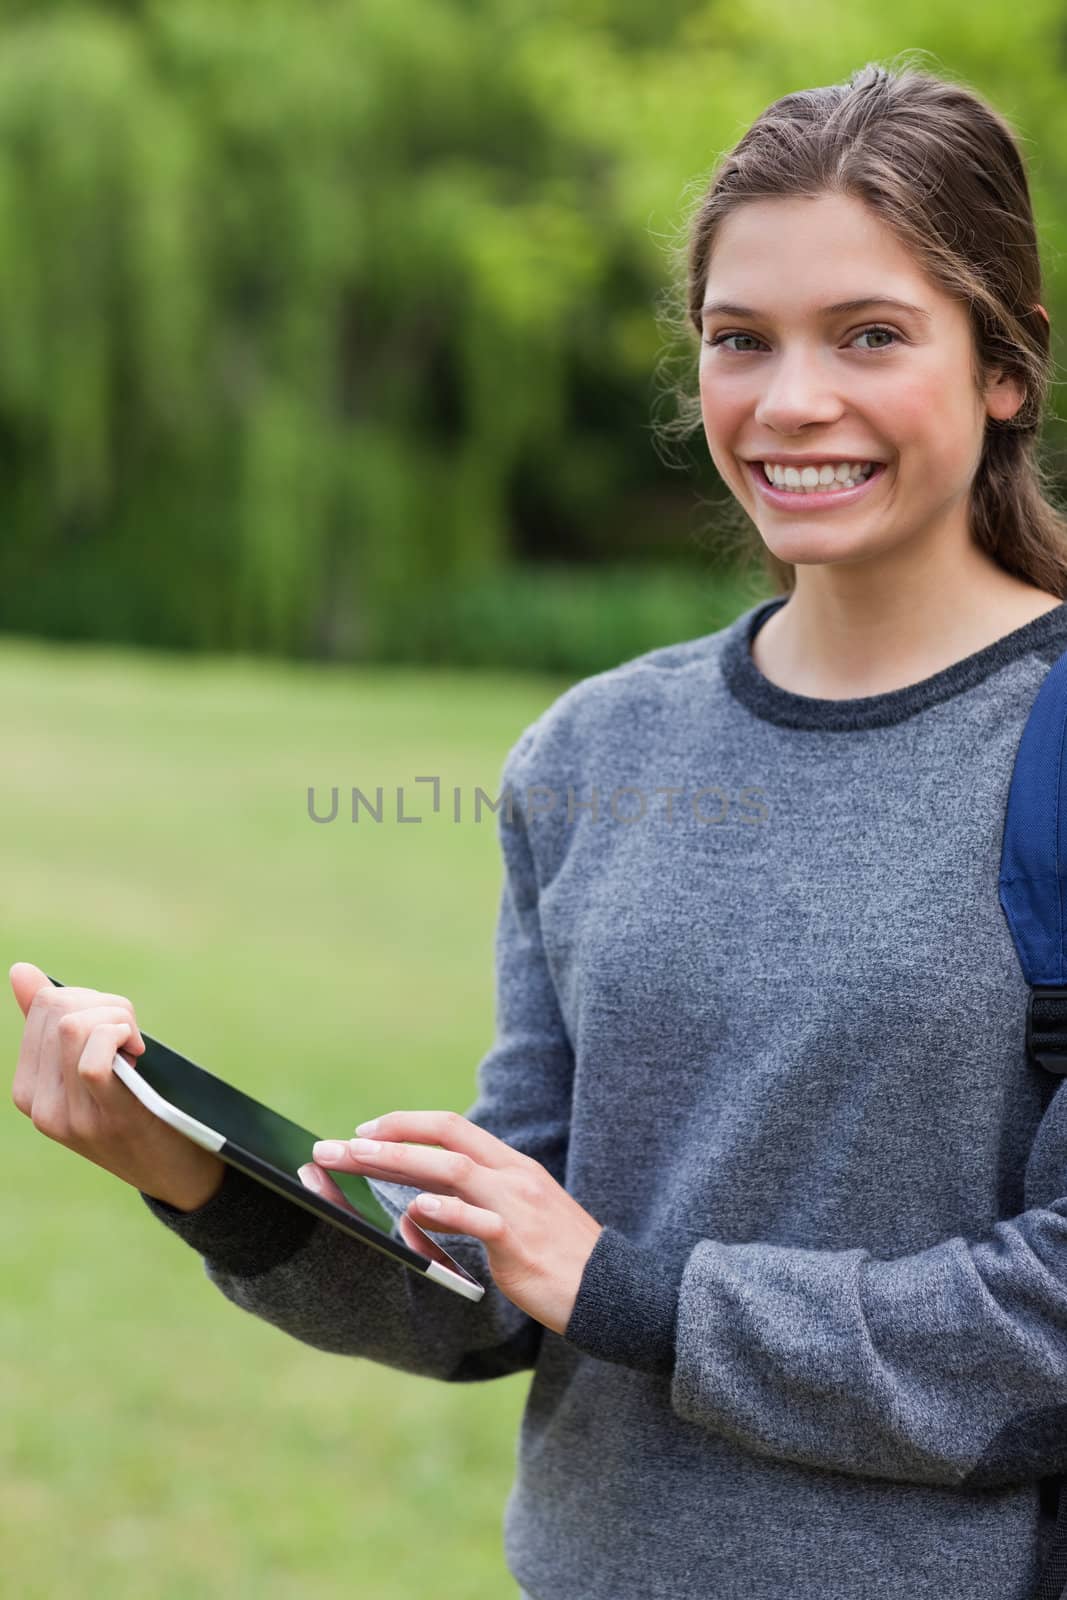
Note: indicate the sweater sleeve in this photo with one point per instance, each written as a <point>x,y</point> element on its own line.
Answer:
<point>947,1366</point>
<point>326,1288</point>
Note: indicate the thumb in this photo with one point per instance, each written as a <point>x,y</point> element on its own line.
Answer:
<point>26,979</point>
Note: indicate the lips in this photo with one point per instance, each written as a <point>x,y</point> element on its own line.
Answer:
<point>794,500</point>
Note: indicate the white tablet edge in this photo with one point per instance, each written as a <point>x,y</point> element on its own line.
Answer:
<point>163,1109</point>
<point>177,1118</point>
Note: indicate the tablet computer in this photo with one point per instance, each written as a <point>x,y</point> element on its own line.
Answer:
<point>270,1148</point>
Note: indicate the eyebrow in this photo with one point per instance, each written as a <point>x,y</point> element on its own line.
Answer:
<point>729,309</point>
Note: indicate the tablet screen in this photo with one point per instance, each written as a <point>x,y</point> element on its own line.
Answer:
<point>247,1123</point>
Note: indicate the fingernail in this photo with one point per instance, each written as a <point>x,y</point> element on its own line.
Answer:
<point>368,1127</point>
<point>311,1177</point>
<point>328,1150</point>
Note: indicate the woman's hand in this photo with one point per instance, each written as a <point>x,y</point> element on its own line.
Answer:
<point>65,1084</point>
<point>538,1239</point>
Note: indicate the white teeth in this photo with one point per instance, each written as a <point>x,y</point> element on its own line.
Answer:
<point>811,479</point>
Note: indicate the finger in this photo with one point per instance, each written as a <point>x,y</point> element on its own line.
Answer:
<point>66,999</point>
<point>86,1005</point>
<point>319,1182</point>
<point>96,1090</point>
<point>43,1004</point>
<point>91,1067</point>
<point>63,1090</point>
<point>446,1128</point>
<point>37,1071</point>
<point>26,981</point>
<point>417,1164</point>
<point>415,1236</point>
<point>451,1215</point>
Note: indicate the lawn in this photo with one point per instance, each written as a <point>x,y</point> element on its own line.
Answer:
<point>156,842</point>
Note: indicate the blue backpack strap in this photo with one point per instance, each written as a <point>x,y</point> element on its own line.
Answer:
<point>1033,869</point>
<point>1033,895</point>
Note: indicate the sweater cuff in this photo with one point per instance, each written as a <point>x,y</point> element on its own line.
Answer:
<point>245,1229</point>
<point>627,1305</point>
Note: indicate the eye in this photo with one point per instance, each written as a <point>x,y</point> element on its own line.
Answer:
<point>720,338</point>
<point>878,329</point>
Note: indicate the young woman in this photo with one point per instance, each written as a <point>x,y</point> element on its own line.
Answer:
<point>773,1203</point>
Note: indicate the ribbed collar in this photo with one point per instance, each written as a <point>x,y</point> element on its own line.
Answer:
<point>774,704</point>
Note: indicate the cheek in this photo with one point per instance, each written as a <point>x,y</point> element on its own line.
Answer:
<point>720,427</point>
<point>929,420</point>
<point>722,406</point>
<point>905,413</point>
<point>932,447</point>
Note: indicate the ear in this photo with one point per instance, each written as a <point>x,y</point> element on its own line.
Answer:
<point>1004,395</point>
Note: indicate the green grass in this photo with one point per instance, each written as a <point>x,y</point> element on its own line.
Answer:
<point>155,841</point>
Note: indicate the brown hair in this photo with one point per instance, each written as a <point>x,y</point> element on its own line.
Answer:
<point>942,169</point>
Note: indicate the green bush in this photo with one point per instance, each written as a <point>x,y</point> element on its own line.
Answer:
<point>571,620</point>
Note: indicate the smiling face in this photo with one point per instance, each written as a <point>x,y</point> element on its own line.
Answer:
<point>876,383</point>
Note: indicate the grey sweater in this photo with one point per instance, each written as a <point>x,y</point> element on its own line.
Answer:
<point>761,1014</point>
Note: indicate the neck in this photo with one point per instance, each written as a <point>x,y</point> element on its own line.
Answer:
<point>847,631</point>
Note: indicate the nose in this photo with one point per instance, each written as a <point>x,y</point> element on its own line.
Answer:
<point>797,390</point>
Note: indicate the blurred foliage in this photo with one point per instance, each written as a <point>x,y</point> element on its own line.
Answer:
<point>308,312</point>
<point>574,621</point>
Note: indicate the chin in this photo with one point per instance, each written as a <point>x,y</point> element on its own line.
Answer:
<point>812,550</point>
